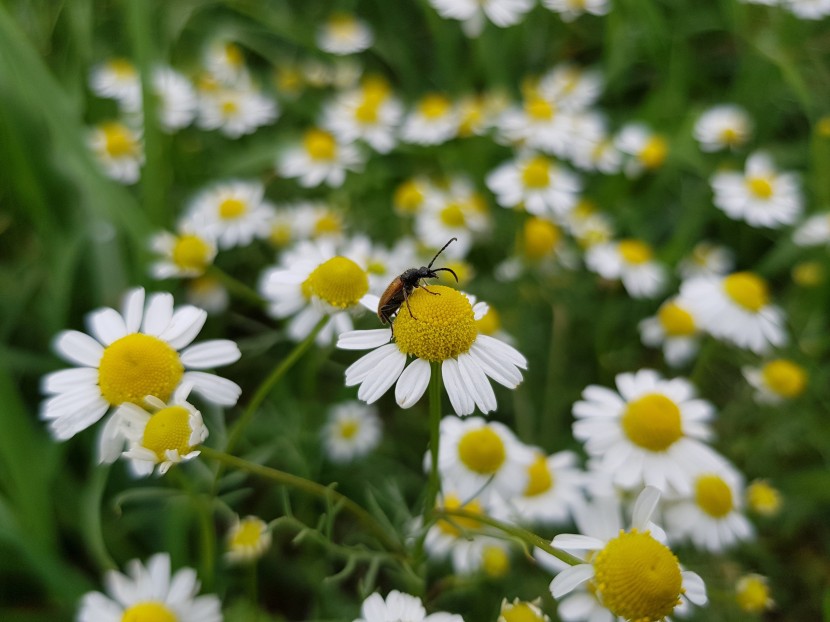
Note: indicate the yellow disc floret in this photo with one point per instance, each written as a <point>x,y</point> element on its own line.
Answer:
<point>713,495</point>
<point>654,153</point>
<point>339,281</point>
<point>752,593</point>
<point>136,366</point>
<point>119,140</point>
<point>442,324</point>
<point>168,430</point>
<point>408,197</point>
<point>231,208</point>
<point>149,612</point>
<point>785,378</point>
<point>320,145</point>
<point>248,533</point>
<point>761,187</point>
<point>347,429</point>
<point>747,290</point>
<point>652,422</point>
<point>434,106</point>
<point>482,451</point>
<point>191,253</point>
<point>536,173</point>
<point>540,479</point>
<point>539,109</point>
<point>638,578</point>
<point>635,252</point>
<point>540,238</point>
<point>495,562</point>
<point>453,215</point>
<point>762,497</point>
<point>677,322</point>
<point>521,612</point>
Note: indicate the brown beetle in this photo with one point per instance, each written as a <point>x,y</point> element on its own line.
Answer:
<point>401,288</point>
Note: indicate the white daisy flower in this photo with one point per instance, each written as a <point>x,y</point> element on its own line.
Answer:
<point>471,13</point>
<point>632,262</point>
<point>236,110</point>
<point>526,611</point>
<point>410,195</point>
<point>118,149</point>
<point>225,61</point>
<point>176,98</point>
<point>479,113</point>
<point>646,150</point>
<point>306,220</point>
<point>592,147</point>
<point>247,540</point>
<point>537,183</point>
<point>776,381</point>
<point>434,120</point>
<point>477,458</point>
<point>753,594</point>
<point>673,329</point>
<point>344,33</point>
<point>706,258</point>
<point>736,308</point>
<point>142,351</point>
<point>400,607</point>
<point>651,431</point>
<point>571,9</point>
<point>150,593</point>
<point>166,436</point>
<point>761,196</point>
<point>539,124</point>
<point>457,211</point>
<point>571,87</point>
<point>312,282</point>
<point>370,113</point>
<point>763,498</point>
<point>711,518</point>
<point>631,573</point>
<point>588,225</point>
<point>726,126</point>
<point>814,231</point>
<point>352,430</point>
<point>234,213</point>
<point>320,159</point>
<point>186,254</point>
<point>434,326</point>
<point>208,293</point>
<point>116,79</point>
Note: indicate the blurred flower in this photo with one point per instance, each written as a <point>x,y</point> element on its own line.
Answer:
<point>235,110</point>
<point>400,606</point>
<point>763,498</point>
<point>118,149</point>
<point>814,231</point>
<point>726,126</point>
<point>736,308</point>
<point>225,61</point>
<point>535,182</point>
<point>352,430</point>
<point>588,225</point>
<point>457,211</point>
<point>646,149</point>
<point>305,220</point>
<point>133,354</point>
<point>571,87</point>
<point>538,124</point>
<point>433,121</point>
<point>116,79</point>
<point>370,113</point>
<point>808,9</point>
<point>185,254</point>
<point>150,593</point>
<point>248,539</point>
<point>471,13</point>
<point>522,611</point>
<point>753,594</point>
<point>706,258</point>
<point>445,331</point>
<point>592,147</point>
<point>808,273</point>
<point>344,33</point>
<point>234,213</point>
<point>761,195</point>
<point>320,159</point>
<point>648,432</point>
<point>571,9</point>
<point>776,381</point>
<point>208,293</point>
<point>410,195</point>
<point>675,330</point>
<point>176,99</point>
<point>631,261</point>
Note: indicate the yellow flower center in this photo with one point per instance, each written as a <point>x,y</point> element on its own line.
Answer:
<point>367,111</point>
<point>808,274</point>
<point>536,173</point>
<point>455,525</point>
<point>376,87</point>
<point>652,422</point>
<point>482,451</point>
<point>675,321</point>
<point>747,290</point>
<point>149,612</point>
<point>730,137</point>
<point>763,498</point>
<point>453,215</point>
<point>229,108</point>
<point>823,127</point>
<point>408,197</point>
<point>119,140</point>
<point>654,153</point>
<point>752,594</point>
<point>347,429</point>
<point>635,251</point>
<point>785,378</point>
<point>320,145</point>
<point>233,55</point>
<point>540,479</point>
<point>761,187</point>
<point>247,534</point>
<point>231,208</point>
<point>136,366</point>
<point>168,429</point>
<point>434,106</point>
<point>540,238</point>
<point>327,224</point>
<point>281,234</point>
<point>494,561</point>
<point>490,323</point>
<point>191,252</point>
<point>443,325</point>
<point>521,612</point>
<point>713,496</point>
<point>539,109</point>
<point>471,117</point>
<point>122,68</point>
<point>638,578</point>
<point>339,281</point>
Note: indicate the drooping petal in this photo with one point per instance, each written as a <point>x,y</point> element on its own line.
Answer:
<point>214,388</point>
<point>567,580</point>
<point>214,353</point>
<point>412,383</point>
<point>462,402</point>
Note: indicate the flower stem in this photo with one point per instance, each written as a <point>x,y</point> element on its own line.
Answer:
<point>236,287</point>
<point>434,484</point>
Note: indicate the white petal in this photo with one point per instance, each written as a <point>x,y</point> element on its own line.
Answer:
<point>462,402</point>
<point>364,339</point>
<point>358,371</point>
<point>133,308</point>
<point>186,323</point>
<point>503,350</point>
<point>84,415</point>
<point>502,372</point>
<point>158,314</point>
<point>386,373</point>
<point>644,507</point>
<point>78,347</point>
<point>477,384</point>
<point>695,588</point>
<point>215,353</point>
<point>68,379</point>
<point>106,325</point>
<point>412,383</point>
<point>567,580</point>
<point>577,542</point>
<point>218,390</point>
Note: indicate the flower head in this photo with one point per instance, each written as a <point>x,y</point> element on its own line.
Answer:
<point>118,149</point>
<point>726,126</point>
<point>675,330</point>
<point>753,594</point>
<point>434,120</point>
<point>522,611</point>
<point>184,254</point>
<point>352,430</point>
<point>777,381</point>
<point>399,606</point>
<point>247,540</point>
<point>320,158</point>
<point>646,150</point>
<point>344,33</point>
<point>763,498</point>
<point>537,183</point>
<point>632,261</point>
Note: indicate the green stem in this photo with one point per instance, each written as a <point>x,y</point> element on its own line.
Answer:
<point>434,485</point>
<point>236,287</point>
<point>313,488</point>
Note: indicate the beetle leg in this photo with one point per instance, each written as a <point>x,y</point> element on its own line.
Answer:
<point>428,290</point>
<point>406,300</point>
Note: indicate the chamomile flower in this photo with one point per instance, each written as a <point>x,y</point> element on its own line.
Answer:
<point>646,149</point>
<point>139,352</point>
<point>588,225</point>
<point>726,126</point>
<point>763,498</point>
<point>234,213</point>
<point>539,124</point>
<point>168,435</point>
<point>236,110</point>
<point>306,220</point>
<point>247,540</point>
<point>370,113</point>
<point>632,262</point>
<point>542,240</point>
<point>753,594</point>
<point>398,606</point>
<point>410,195</point>
<point>226,62</point>
<point>344,33</point>
<point>706,258</point>
<point>736,308</point>
<point>480,458</point>
<point>711,518</point>
<point>116,79</point>
<point>312,282</point>
<point>321,158</point>
<point>571,9</point>
<point>648,432</point>
<point>118,149</point>
<point>352,430</point>
<point>471,13</point>
<point>522,611</point>
<point>457,211</point>
<point>628,572</point>
<point>537,183</point>
<point>186,254</point>
<point>433,121</point>
<point>208,293</point>
<point>814,231</point>
<point>176,97</point>
<point>150,593</point>
<point>674,330</point>
<point>776,381</point>
<point>571,87</point>
<point>761,195</point>
<point>444,332</point>
<point>592,147</point>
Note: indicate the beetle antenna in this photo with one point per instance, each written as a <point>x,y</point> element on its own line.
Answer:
<point>450,270</point>
<point>429,267</point>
